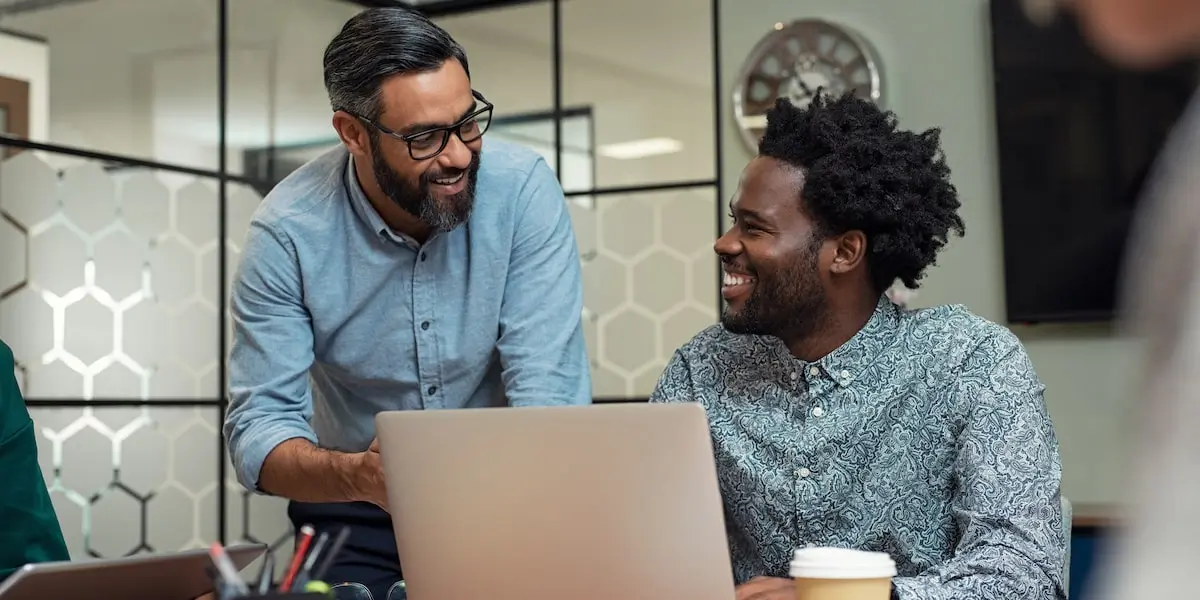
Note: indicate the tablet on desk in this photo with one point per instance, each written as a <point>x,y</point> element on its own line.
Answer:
<point>167,576</point>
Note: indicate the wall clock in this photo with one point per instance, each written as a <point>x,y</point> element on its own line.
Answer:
<point>793,61</point>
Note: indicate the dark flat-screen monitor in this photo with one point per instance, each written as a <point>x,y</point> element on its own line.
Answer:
<point>1077,137</point>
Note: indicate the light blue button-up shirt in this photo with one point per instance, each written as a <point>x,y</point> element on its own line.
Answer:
<point>336,317</point>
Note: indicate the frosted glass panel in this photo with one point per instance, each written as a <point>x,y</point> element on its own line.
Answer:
<point>649,282</point>
<point>115,290</point>
<point>130,480</point>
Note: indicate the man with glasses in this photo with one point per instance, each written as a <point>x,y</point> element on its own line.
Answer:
<point>373,273</point>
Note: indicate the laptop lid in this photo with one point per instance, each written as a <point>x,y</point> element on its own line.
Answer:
<point>166,576</point>
<point>583,502</point>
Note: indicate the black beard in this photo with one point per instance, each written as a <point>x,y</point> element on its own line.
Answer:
<point>790,304</point>
<point>418,201</point>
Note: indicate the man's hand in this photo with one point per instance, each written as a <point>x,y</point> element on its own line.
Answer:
<point>371,487</point>
<point>767,588</point>
<point>299,470</point>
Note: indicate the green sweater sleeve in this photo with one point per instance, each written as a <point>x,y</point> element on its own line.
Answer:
<point>29,529</point>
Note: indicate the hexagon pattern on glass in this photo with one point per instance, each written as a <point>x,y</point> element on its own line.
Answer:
<point>141,247</point>
<point>649,282</point>
<point>133,480</point>
<point>116,294</point>
<point>110,263</point>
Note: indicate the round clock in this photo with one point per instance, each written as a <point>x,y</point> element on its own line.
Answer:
<point>796,59</point>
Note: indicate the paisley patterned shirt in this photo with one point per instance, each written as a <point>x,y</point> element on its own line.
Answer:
<point>925,436</point>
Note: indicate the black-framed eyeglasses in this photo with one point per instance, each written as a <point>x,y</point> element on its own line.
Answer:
<point>428,143</point>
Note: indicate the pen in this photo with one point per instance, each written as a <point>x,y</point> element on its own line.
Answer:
<point>226,570</point>
<point>332,553</point>
<point>267,574</point>
<point>306,536</point>
<point>306,570</point>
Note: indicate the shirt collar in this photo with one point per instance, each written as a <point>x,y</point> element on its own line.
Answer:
<point>849,360</point>
<point>366,212</point>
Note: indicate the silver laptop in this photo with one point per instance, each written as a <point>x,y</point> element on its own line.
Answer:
<point>167,576</point>
<point>584,502</point>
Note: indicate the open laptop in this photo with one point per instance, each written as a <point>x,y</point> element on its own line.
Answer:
<point>583,502</point>
<point>168,576</point>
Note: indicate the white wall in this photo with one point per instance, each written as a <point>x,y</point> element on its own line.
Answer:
<point>29,60</point>
<point>941,76</point>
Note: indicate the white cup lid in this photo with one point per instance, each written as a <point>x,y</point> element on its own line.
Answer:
<point>841,563</point>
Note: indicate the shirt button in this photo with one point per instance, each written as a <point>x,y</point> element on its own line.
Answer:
<point>795,376</point>
<point>818,411</point>
<point>423,257</point>
<point>804,472</point>
<point>425,325</point>
<point>432,390</point>
<point>814,371</point>
<point>845,374</point>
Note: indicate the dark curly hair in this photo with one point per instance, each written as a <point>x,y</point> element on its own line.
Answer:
<point>860,172</point>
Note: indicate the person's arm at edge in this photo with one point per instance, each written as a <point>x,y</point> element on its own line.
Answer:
<point>30,532</point>
<point>272,446</point>
<point>1007,498</point>
<point>542,352</point>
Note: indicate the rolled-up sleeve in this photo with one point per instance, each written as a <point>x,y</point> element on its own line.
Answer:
<point>542,351</point>
<point>1007,503</point>
<point>270,398</point>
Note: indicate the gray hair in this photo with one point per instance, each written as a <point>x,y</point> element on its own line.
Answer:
<point>377,44</point>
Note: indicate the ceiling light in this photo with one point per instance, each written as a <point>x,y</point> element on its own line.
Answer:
<point>640,148</point>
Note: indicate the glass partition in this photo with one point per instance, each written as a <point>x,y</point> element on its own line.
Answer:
<point>115,261</point>
<point>136,78</point>
<point>649,282</point>
<point>648,80</point>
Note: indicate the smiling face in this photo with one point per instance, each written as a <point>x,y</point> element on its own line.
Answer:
<point>772,256</point>
<point>439,190</point>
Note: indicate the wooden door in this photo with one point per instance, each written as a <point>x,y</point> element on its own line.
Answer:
<point>14,110</point>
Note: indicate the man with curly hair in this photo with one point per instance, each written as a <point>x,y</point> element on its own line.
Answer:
<point>840,419</point>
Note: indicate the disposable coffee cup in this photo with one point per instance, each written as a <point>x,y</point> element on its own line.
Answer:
<point>842,574</point>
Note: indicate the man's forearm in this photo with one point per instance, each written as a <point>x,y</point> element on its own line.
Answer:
<point>299,470</point>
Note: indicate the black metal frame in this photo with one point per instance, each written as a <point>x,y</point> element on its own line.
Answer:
<point>440,8</point>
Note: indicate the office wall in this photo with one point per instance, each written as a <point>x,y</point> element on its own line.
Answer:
<point>936,62</point>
